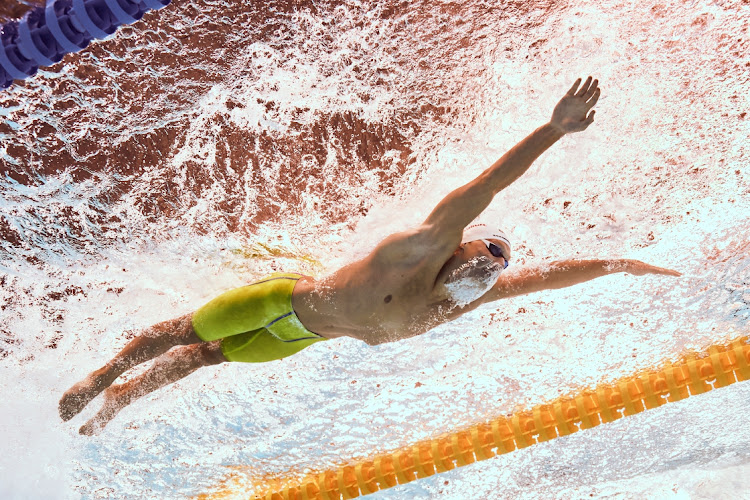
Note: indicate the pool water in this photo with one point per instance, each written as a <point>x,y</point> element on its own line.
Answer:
<point>215,142</point>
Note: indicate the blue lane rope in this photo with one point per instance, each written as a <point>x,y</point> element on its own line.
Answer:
<point>46,34</point>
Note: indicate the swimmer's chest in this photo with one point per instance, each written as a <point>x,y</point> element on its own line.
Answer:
<point>393,298</point>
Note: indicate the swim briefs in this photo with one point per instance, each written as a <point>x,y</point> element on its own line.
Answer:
<point>256,323</point>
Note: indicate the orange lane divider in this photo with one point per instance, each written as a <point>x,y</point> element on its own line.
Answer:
<point>694,373</point>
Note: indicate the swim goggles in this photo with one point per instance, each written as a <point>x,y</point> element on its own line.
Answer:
<point>496,251</point>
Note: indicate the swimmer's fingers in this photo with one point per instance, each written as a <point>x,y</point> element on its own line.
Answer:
<point>573,113</point>
<point>665,271</point>
<point>589,92</point>
<point>586,87</point>
<point>594,98</point>
<point>573,89</point>
<point>639,268</point>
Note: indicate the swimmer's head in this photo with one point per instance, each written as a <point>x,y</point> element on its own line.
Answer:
<point>494,239</point>
<point>477,264</point>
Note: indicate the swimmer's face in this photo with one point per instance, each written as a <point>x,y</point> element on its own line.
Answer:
<point>478,248</point>
<point>473,270</point>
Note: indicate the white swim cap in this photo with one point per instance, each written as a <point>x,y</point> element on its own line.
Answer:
<point>481,231</point>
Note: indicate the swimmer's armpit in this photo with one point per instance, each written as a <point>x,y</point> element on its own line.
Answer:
<point>562,274</point>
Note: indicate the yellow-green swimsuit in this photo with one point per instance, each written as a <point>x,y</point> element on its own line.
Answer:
<point>255,322</point>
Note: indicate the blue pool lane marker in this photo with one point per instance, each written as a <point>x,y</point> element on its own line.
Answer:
<point>46,34</point>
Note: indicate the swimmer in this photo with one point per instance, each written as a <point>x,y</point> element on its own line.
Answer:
<point>410,283</point>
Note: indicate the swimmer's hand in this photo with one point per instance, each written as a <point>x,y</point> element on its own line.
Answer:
<point>638,268</point>
<point>570,113</point>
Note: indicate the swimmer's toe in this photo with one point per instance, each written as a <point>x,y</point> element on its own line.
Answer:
<point>89,429</point>
<point>71,404</point>
<point>69,408</point>
<point>76,398</point>
<point>112,405</point>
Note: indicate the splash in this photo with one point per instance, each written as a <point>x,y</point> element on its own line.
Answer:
<point>473,279</point>
<point>221,141</point>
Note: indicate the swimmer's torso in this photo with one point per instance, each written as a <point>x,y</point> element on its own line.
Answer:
<point>389,295</point>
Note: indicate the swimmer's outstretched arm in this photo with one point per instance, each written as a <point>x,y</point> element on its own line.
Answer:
<point>463,205</point>
<point>566,273</point>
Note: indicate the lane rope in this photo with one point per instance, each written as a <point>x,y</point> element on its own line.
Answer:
<point>45,34</point>
<point>694,373</point>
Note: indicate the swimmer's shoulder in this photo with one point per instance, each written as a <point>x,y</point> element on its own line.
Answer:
<point>413,245</point>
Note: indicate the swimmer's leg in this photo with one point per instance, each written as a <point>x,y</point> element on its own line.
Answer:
<point>153,342</point>
<point>168,368</point>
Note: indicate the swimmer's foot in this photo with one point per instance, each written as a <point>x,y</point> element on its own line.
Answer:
<point>77,397</point>
<point>114,401</point>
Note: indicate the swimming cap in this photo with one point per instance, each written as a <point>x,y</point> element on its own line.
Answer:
<point>483,232</point>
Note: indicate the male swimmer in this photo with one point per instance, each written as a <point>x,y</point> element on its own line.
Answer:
<point>410,283</point>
